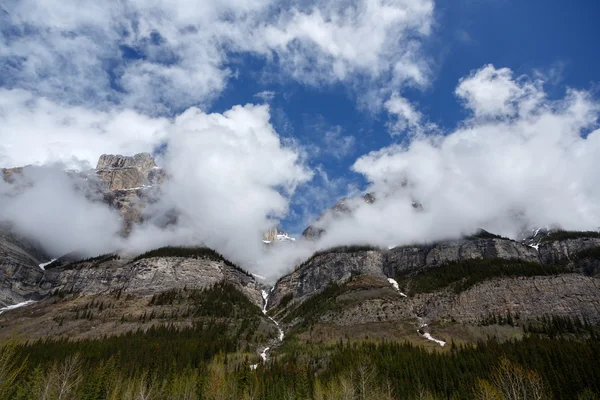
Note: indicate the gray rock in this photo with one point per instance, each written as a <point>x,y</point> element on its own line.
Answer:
<point>314,276</point>
<point>564,251</point>
<point>147,277</point>
<point>408,258</point>
<point>143,162</point>
<point>119,172</point>
<point>20,273</point>
<point>568,295</point>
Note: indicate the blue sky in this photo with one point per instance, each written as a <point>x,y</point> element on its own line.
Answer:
<point>354,90</point>
<point>553,37</point>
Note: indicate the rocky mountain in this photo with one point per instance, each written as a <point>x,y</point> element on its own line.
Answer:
<point>451,289</point>
<point>277,235</point>
<point>343,207</point>
<point>19,266</point>
<point>118,172</point>
<point>124,282</point>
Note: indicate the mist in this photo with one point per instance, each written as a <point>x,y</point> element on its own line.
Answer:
<point>520,160</point>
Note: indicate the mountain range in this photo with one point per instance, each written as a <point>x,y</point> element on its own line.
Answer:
<point>456,292</point>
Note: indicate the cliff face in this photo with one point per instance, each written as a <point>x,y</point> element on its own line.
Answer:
<point>318,272</point>
<point>367,302</point>
<point>401,259</point>
<point>147,277</point>
<point>119,172</point>
<point>564,251</point>
<point>19,266</point>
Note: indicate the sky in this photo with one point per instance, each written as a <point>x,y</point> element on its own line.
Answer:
<point>483,111</point>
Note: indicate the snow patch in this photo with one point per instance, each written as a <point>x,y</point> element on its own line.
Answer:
<point>429,337</point>
<point>263,354</point>
<point>265,297</point>
<point>18,305</point>
<point>43,265</point>
<point>394,283</point>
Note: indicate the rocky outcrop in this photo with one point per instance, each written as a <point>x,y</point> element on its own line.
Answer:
<point>19,267</point>
<point>336,266</point>
<point>567,295</point>
<point>565,251</point>
<point>146,277</point>
<point>8,174</point>
<point>119,172</point>
<point>315,274</point>
<point>130,184</point>
<point>343,207</point>
<point>143,162</point>
<point>407,258</point>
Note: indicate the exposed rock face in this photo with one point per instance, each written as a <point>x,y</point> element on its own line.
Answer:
<point>143,162</point>
<point>148,276</point>
<point>568,295</point>
<point>9,173</point>
<point>341,208</point>
<point>561,252</point>
<point>119,172</point>
<point>402,259</point>
<point>141,278</point>
<point>127,181</point>
<point>19,267</point>
<point>122,178</point>
<point>318,272</point>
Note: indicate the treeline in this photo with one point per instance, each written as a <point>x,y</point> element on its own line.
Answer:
<point>461,275</point>
<point>189,252</point>
<point>483,234</point>
<point>200,363</point>
<point>68,263</point>
<point>221,300</point>
<point>565,235</point>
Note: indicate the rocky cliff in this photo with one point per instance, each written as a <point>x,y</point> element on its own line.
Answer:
<point>520,282</point>
<point>342,208</point>
<point>119,172</point>
<point>19,266</point>
<point>146,277</point>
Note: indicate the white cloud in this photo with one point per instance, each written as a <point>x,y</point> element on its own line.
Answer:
<point>336,144</point>
<point>266,95</point>
<point>494,93</point>
<point>179,52</point>
<point>36,130</point>
<point>61,211</point>
<point>407,117</point>
<point>523,161</point>
<point>230,180</point>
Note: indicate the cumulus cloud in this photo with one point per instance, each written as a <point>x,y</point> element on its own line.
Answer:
<point>494,93</point>
<point>230,180</point>
<point>61,211</point>
<point>336,144</point>
<point>36,130</point>
<point>164,56</point>
<point>406,117</point>
<point>522,160</point>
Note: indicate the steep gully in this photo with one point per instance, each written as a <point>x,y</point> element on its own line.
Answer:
<point>264,352</point>
<point>422,323</point>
